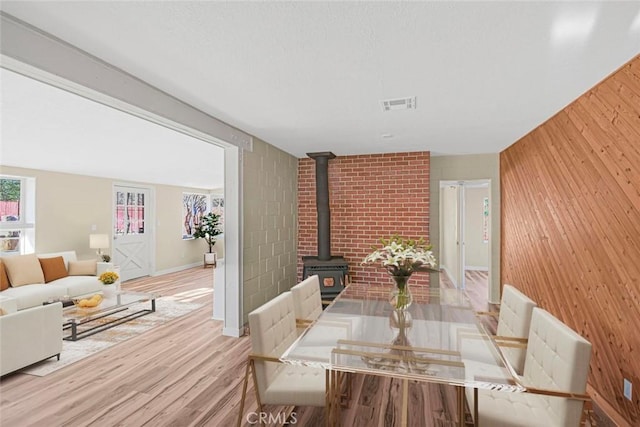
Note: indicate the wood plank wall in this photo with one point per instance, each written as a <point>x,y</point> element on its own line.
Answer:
<point>571,226</point>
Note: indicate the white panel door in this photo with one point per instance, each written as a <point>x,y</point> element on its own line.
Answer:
<point>131,234</point>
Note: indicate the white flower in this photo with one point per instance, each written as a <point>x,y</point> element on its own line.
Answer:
<point>402,256</point>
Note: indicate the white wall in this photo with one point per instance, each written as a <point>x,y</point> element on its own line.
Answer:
<point>453,168</point>
<point>67,206</point>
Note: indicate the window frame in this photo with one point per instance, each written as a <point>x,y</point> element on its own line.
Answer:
<point>26,223</point>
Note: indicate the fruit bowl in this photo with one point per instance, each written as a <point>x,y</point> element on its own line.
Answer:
<point>88,301</point>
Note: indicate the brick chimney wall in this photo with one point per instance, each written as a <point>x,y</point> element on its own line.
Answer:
<point>371,196</point>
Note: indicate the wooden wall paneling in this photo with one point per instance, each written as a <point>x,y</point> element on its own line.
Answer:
<point>571,226</point>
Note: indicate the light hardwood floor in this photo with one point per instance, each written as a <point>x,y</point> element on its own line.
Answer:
<point>185,373</point>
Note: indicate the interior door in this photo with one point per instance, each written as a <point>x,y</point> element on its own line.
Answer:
<point>132,236</point>
<point>451,233</point>
<point>465,245</point>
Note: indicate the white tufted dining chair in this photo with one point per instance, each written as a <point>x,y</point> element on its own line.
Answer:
<point>307,301</point>
<point>513,325</point>
<point>273,330</point>
<point>555,376</point>
<point>514,320</point>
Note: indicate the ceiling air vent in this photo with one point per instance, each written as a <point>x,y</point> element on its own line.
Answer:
<point>399,104</point>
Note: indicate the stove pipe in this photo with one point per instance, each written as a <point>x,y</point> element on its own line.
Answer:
<point>322,203</point>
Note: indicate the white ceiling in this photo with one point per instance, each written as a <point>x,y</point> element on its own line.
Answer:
<point>44,127</point>
<point>308,76</point>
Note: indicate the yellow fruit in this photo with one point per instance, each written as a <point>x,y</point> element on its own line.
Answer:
<point>84,302</point>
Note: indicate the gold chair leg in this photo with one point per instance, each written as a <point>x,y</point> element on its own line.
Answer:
<point>475,407</point>
<point>345,398</point>
<point>255,388</point>
<point>244,392</point>
<point>327,398</point>
<point>336,398</point>
<point>405,403</point>
<point>460,392</point>
<point>332,410</point>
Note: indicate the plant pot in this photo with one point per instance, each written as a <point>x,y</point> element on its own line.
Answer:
<point>110,291</point>
<point>210,259</point>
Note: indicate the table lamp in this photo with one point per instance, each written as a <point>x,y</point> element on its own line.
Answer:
<point>99,242</point>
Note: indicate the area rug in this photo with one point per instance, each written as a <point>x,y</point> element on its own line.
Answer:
<point>167,308</point>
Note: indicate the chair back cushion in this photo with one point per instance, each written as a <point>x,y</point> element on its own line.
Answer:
<point>273,330</point>
<point>557,359</point>
<point>307,301</point>
<point>514,321</point>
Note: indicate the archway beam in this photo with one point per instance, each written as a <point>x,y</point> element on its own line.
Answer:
<point>34,53</point>
<point>30,51</point>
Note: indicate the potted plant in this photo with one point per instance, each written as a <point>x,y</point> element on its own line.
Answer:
<point>110,280</point>
<point>208,228</point>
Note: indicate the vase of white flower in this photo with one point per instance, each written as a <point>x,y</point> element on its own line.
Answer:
<point>400,297</point>
<point>401,258</point>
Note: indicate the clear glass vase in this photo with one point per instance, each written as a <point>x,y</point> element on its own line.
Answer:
<point>400,297</point>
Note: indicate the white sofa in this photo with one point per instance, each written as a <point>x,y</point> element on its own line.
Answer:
<point>28,336</point>
<point>32,295</point>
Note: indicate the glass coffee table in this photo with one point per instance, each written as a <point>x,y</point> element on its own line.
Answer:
<point>83,322</point>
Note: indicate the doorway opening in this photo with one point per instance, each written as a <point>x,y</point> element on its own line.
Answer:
<point>465,237</point>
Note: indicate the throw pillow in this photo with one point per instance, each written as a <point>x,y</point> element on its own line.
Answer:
<point>83,268</point>
<point>4,280</point>
<point>23,270</point>
<point>53,268</point>
<point>2,312</point>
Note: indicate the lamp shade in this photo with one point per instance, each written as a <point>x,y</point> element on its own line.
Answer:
<point>98,241</point>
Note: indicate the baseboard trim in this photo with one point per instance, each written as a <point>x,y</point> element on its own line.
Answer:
<point>476,268</point>
<point>232,332</point>
<point>176,269</point>
<point>449,275</point>
<point>606,407</point>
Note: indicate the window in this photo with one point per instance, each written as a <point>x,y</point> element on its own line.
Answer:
<point>130,213</point>
<point>17,215</point>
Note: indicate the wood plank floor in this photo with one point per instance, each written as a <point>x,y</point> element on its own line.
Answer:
<point>185,373</point>
<point>476,287</point>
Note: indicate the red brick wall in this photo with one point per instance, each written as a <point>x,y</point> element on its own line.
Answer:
<point>371,196</point>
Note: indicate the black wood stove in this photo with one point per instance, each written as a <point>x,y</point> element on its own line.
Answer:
<point>333,271</point>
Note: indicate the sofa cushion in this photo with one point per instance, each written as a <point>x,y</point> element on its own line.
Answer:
<point>68,256</point>
<point>23,270</point>
<point>83,268</point>
<point>53,268</point>
<point>77,285</point>
<point>31,295</point>
<point>8,305</point>
<point>4,279</point>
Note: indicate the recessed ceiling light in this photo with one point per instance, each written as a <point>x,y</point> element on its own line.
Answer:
<point>408,103</point>
<point>386,136</point>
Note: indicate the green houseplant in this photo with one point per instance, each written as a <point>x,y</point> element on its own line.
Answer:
<point>208,228</point>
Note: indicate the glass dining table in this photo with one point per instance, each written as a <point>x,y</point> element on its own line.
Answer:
<point>437,339</point>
